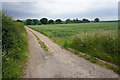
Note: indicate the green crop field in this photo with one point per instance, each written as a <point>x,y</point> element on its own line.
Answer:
<point>96,39</point>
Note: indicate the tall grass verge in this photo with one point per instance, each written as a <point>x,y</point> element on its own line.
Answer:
<point>15,48</point>
<point>101,44</point>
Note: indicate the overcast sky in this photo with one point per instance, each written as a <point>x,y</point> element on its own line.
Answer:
<point>63,9</point>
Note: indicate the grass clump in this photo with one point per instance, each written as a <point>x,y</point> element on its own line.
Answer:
<point>14,48</point>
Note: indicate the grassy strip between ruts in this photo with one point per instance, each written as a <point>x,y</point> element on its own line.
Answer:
<point>40,42</point>
<point>93,60</point>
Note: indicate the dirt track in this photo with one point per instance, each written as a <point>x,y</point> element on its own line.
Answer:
<point>60,64</point>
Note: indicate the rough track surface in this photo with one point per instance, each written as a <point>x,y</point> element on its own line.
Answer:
<point>61,63</point>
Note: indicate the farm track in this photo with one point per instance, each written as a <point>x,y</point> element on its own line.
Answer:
<point>61,63</point>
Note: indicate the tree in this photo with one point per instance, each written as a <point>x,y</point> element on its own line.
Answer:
<point>68,21</point>
<point>76,21</point>
<point>51,21</point>
<point>58,21</point>
<point>35,21</point>
<point>44,20</point>
<point>28,22</point>
<point>85,20</point>
<point>79,21</point>
<point>19,20</point>
<point>96,20</point>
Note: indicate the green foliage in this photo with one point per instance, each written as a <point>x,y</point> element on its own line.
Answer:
<point>51,21</point>
<point>35,21</point>
<point>58,21</point>
<point>44,20</point>
<point>96,20</point>
<point>29,22</point>
<point>101,44</point>
<point>14,47</point>
<point>19,20</point>
<point>85,20</point>
<point>32,22</point>
<point>69,21</point>
<point>77,21</point>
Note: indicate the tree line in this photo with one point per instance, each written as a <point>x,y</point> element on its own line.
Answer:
<point>57,21</point>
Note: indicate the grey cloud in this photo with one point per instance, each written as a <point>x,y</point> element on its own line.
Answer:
<point>22,9</point>
<point>91,14</point>
<point>25,10</point>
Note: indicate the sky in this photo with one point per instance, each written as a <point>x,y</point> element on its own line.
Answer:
<point>63,9</point>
